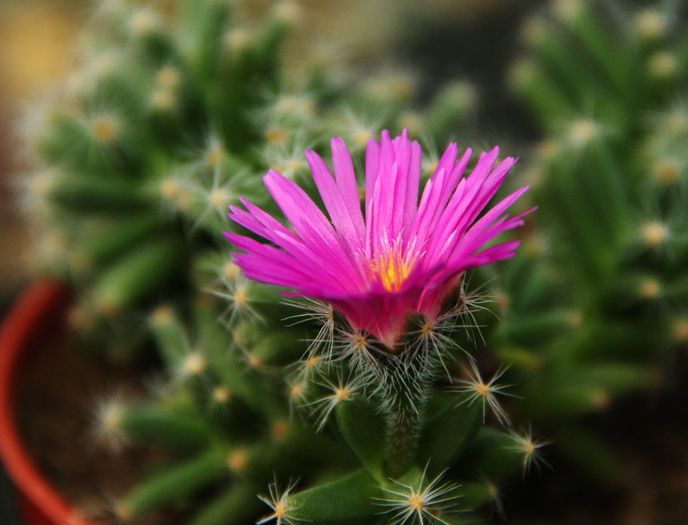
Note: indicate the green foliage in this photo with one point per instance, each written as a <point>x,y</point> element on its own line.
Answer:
<point>595,303</point>
<point>448,432</point>
<point>232,422</point>
<point>364,431</point>
<point>348,498</point>
<point>168,119</point>
<point>164,125</point>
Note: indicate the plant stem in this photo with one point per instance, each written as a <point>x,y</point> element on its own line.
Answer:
<point>403,431</point>
<point>406,395</point>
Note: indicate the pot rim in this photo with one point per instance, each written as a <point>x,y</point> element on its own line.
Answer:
<point>37,303</point>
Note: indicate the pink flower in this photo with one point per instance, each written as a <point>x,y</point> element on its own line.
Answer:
<point>399,255</point>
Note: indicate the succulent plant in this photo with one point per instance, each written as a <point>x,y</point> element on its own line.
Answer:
<point>596,306</point>
<point>171,118</point>
<point>372,414</point>
<point>166,119</point>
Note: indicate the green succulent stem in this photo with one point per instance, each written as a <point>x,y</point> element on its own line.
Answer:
<point>403,431</point>
<point>406,398</point>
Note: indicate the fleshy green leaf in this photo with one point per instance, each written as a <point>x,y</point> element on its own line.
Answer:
<point>347,498</point>
<point>450,431</point>
<point>364,431</point>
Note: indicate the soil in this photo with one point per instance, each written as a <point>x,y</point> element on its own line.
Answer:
<point>57,397</point>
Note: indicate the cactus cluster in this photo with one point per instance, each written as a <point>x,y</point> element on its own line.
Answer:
<point>274,411</point>
<point>297,411</point>
<point>324,422</point>
<point>168,117</point>
<point>247,412</point>
<point>598,300</point>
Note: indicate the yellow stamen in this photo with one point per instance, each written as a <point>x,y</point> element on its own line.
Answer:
<point>393,269</point>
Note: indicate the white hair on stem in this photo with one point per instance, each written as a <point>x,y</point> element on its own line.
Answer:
<point>422,503</point>
<point>340,390</point>
<point>530,447</point>
<point>278,501</point>
<point>485,392</point>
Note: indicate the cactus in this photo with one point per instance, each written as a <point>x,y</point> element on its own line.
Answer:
<point>381,417</point>
<point>168,121</point>
<point>165,121</point>
<point>372,415</point>
<point>597,303</point>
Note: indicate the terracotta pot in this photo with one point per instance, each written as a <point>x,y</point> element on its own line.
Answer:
<point>38,502</point>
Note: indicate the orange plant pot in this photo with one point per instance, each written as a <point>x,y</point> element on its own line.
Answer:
<point>38,501</point>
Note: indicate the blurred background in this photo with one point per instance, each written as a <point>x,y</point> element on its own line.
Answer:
<point>39,38</point>
<point>593,314</point>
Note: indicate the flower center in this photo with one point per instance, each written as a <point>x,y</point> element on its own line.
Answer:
<point>392,268</point>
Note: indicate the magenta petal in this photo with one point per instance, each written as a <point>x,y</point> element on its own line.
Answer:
<point>334,201</point>
<point>347,183</point>
<point>400,256</point>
